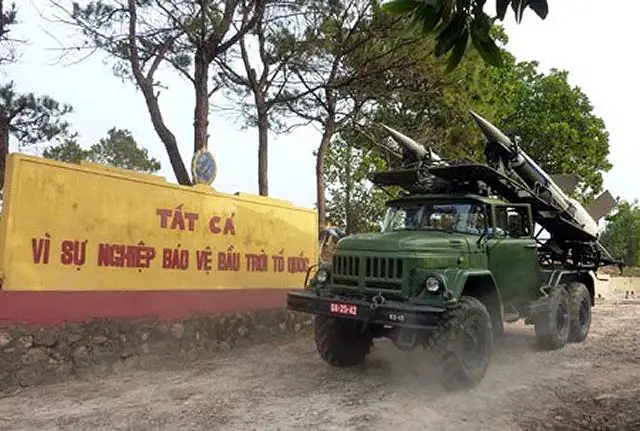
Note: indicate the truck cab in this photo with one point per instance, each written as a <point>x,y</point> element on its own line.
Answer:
<point>448,238</point>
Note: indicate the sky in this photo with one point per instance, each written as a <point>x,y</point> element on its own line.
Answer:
<point>594,43</point>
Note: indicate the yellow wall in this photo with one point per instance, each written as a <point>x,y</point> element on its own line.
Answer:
<point>67,208</point>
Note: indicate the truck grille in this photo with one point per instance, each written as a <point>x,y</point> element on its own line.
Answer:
<point>383,267</point>
<point>375,272</point>
<point>346,266</point>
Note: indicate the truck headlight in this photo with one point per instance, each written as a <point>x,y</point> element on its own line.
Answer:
<point>432,284</point>
<point>322,275</point>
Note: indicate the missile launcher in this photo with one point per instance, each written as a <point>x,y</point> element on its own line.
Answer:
<point>456,257</point>
<point>512,175</point>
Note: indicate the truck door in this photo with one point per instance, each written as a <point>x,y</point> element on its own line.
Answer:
<point>512,253</point>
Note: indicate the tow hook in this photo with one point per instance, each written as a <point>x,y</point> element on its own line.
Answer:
<point>376,301</point>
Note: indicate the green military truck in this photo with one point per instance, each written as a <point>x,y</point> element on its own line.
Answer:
<point>456,257</point>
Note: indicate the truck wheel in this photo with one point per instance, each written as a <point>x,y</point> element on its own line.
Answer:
<point>579,312</point>
<point>462,344</point>
<point>552,325</point>
<point>341,342</point>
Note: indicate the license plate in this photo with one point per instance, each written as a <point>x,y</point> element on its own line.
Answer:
<point>347,309</point>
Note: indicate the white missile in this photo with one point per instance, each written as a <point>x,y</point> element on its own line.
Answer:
<point>539,182</point>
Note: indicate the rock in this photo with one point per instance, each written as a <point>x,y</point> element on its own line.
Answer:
<point>5,338</point>
<point>58,352</point>
<point>26,341</point>
<point>604,397</point>
<point>177,330</point>
<point>127,353</point>
<point>80,352</point>
<point>558,418</point>
<point>63,369</point>
<point>99,339</point>
<point>74,338</point>
<point>35,355</point>
<point>118,367</point>
<point>30,376</point>
<point>283,327</point>
<point>45,338</point>
<point>80,356</point>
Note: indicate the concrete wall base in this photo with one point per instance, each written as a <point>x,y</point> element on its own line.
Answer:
<point>35,355</point>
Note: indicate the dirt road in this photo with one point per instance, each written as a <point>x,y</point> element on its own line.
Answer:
<point>593,385</point>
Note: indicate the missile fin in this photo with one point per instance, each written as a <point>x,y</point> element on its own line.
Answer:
<point>566,182</point>
<point>601,206</point>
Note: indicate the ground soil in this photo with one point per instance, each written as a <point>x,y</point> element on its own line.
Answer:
<point>592,385</point>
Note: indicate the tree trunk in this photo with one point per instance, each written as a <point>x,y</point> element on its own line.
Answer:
<point>167,138</point>
<point>320,185</point>
<point>4,148</point>
<point>263,152</point>
<point>201,111</point>
<point>145,83</point>
<point>349,216</point>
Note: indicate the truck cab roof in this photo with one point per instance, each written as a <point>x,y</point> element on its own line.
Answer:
<point>449,197</point>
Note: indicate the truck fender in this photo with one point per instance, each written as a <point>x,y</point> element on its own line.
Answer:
<point>481,285</point>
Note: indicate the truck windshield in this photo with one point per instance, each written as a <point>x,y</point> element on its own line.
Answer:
<point>465,217</point>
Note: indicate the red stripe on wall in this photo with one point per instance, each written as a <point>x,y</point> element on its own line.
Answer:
<point>27,307</point>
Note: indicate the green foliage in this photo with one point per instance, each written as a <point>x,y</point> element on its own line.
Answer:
<point>166,32</point>
<point>8,45</point>
<point>29,118</point>
<point>141,36</point>
<point>555,122</point>
<point>33,119</point>
<point>454,22</point>
<point>119,149</point>
<point>67,151</point>
<point>621,236</point>
<point>259,82</point>
<point>352,56</point>
<point>354,204</point>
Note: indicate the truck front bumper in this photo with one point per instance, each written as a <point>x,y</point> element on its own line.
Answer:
<point>390,313</point>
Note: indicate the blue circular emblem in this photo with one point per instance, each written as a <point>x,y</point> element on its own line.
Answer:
<point>203,167</point>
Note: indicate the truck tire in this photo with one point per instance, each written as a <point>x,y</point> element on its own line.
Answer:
<point>552,325</point>
<point>466,326</point>
<point>341,342</point>
<point>579,312</point>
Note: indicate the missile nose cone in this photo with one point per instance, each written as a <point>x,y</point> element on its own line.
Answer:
<point>476,117</point>
<point>405,141</point>
<point>491,132</point>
